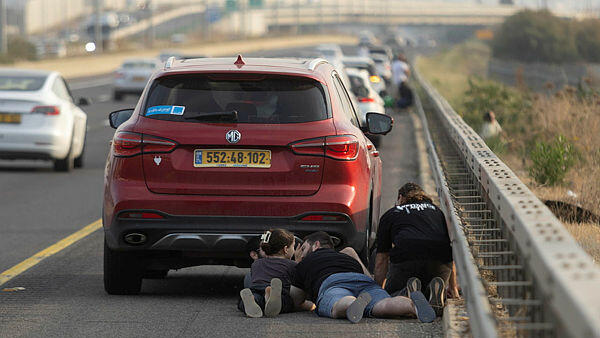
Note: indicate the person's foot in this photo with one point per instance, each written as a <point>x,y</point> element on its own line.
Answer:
<point>355,311</point>
<point>413,284</point>
<point>273,299</point>
<point>423,309</point>
<point>436,295</point>
<point>250,307</point>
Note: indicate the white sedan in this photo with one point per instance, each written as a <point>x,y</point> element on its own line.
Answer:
<point>39,119</point>
<point>132,76</point>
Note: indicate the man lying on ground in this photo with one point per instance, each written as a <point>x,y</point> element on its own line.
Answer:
<point>339,287</point>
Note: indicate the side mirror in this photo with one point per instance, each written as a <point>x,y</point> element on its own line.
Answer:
<point>83,101</point>
<point>379,124</point>
<point>117,118</point>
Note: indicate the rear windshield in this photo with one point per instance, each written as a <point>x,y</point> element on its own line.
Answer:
<point>251,98</point>
<point>21,83</point>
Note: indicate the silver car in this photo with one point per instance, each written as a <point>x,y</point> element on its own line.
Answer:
<point>366,63</point>
<point>132,76</point>
<point>39,119</point>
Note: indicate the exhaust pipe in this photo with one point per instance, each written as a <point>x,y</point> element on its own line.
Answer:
<point>135,238</point>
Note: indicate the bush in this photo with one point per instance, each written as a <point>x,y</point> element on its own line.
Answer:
<point>551,162</point>
<point>587,37</point>
<point>18,49</point>
<point>510,105</point>
<point>531,36</point>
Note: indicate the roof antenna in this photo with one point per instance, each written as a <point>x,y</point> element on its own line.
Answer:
<point>239,62</point>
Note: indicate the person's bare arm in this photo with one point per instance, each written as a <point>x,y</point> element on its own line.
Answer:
<point>352,253</point>
<point>382,261</point>
<point>453,283</point>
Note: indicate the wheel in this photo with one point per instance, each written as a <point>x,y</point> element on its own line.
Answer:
<point>66,164</point>
<point>118,96</point>
<point>122,272</point>
<point>78,162</point>
<point>155,274</point>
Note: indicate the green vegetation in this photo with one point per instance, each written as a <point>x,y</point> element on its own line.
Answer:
<point>509,104</point>
<point>18,49</point>
<point>539,36</point>
<point>552,161</point>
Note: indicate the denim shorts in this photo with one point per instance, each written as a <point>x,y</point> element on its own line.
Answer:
<point>340,285</point>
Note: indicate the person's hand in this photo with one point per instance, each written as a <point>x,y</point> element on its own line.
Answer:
<point>301,252</point>
<point>452,292</point>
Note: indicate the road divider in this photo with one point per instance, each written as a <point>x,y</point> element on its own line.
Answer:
<point>49,251</point>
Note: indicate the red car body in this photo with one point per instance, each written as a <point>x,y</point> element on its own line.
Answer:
<point>324,175</point>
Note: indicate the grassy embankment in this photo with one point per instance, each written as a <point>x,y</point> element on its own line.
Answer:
<point>535,118</point>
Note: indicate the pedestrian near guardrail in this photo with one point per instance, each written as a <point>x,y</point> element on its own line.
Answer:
<point>400,75</point>
<point>413,242</point>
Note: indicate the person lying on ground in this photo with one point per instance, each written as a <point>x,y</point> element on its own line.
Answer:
<point>337,284</point>
<point>413,241</point>
<point>255,252</point>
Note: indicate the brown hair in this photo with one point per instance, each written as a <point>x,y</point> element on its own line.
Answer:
<point>413,193</point>
<point>322,237</point>
<point>273,241</point>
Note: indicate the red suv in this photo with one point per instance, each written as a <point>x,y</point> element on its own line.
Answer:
<point>219,150</point>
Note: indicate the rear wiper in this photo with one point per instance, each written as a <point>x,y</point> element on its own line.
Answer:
<point>225,116</point>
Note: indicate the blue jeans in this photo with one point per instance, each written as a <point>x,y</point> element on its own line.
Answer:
<point>340,285</point>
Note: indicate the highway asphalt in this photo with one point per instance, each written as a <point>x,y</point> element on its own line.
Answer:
<point>64,294</point>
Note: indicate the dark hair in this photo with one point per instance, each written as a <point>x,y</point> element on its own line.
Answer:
<point>322,237</point>
<point>276,241</point>
<point>413,193</point>
<point>253,244</point>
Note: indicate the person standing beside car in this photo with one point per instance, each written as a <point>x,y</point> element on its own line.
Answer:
<point>413,242</point>
<point>400,75</point>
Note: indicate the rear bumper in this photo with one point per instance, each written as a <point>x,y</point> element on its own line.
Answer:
<point>33,144</point>
<point>219,236</point>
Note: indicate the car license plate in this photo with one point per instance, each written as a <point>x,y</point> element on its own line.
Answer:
<point>139,79</point>
<point>240,158</point>
<point>10,118</point>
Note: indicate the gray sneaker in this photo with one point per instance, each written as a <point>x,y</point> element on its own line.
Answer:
<point>413,284</point>
<point>436,295</point>
<point>250,307</point>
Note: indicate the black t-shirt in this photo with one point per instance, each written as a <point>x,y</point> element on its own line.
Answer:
<point>414,231</point>
<point>265,269</point>
<point>320,264</point>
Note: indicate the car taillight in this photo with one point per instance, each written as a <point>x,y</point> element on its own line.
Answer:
<point>321,218</point>
<point>46,110</point>
<point>314,147</point>
<point>374,79</point>
<point>119,75</point>
<point>366,99</point>
<point>153,144</point>
<point>343,147</point>
<point>129,144</point>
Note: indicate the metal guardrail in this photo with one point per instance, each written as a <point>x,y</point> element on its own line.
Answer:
<point>521,272</point>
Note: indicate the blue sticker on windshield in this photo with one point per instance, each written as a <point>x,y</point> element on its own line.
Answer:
<point>168,110</point>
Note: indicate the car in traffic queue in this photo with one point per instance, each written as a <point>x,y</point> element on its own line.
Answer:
<point>366,63</point>
<point>368,101</point>
<point>383,66</point>
<point>218,150</point>
<point>39,119</point>
<point>132,76</point>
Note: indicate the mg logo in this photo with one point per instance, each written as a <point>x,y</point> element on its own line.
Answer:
<point>233,136</point>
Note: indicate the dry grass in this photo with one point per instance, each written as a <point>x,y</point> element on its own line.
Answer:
<point>566,113</point>
<point>588,236</point>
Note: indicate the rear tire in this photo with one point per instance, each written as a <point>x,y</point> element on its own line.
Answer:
<point>122,272</point>
<point>66,164</point>
<point>78,163</point>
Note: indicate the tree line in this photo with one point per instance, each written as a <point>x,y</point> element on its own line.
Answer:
<point>540,36</point>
